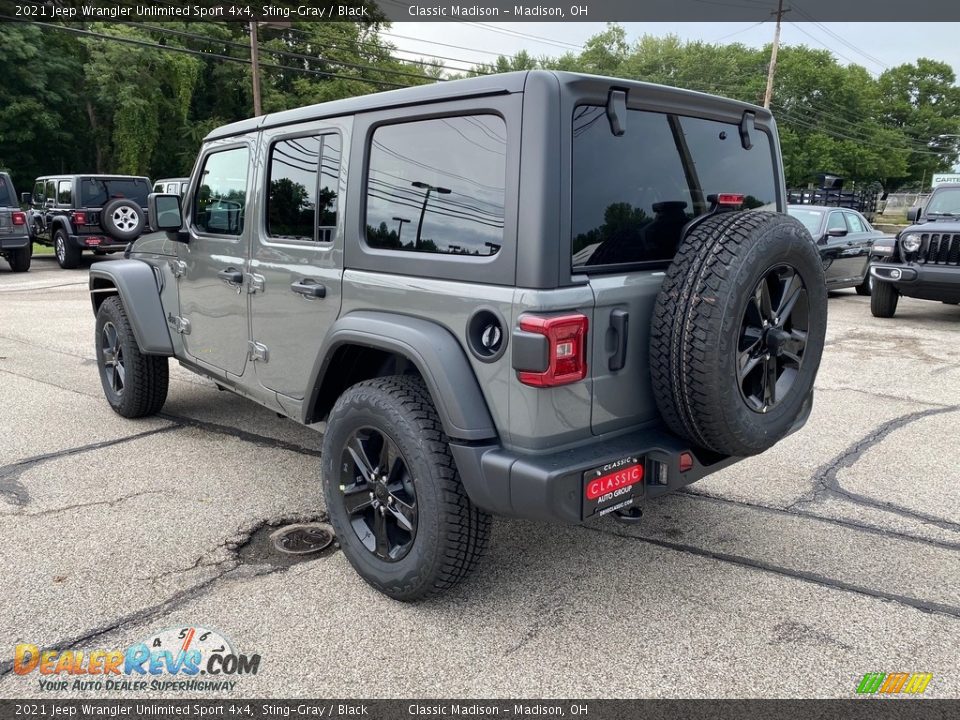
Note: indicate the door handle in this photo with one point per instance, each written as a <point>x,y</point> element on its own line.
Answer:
<point>231,275</point>
<point>620,322</point>
<point>309,288</point>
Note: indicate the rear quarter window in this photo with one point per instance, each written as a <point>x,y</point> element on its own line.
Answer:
<point>438,186</point>
<point>7,195</point>
<point>633,194</point>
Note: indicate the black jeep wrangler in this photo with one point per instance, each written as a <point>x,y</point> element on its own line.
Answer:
<point>923,261</point>
<point>74,213</point>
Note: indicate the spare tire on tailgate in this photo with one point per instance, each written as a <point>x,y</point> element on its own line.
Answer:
<point>738,330</point>
<point>122,219</point>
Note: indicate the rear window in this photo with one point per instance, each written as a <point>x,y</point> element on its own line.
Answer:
<point>97,192</point>
<point>633,194</point>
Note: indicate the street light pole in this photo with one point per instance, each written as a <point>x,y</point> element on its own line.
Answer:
<point>400,222</point>
<point>423,209</point>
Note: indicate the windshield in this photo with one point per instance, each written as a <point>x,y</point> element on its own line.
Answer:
<point>633,194</point>
<point>810,219</point>
<point>945,201</point>
<point>6,193</point>
<point>97,192</point>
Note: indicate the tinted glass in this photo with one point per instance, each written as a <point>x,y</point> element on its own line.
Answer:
<point>38,192</point>
<point>7,195</point>
<point>811,219</point>
<point>292,189</point>
<point>854,224</point>
<point>97,192</point>
<point>64,192</point>
<point>633,194</point>
<point>944,201</point>
<point>50,190</point>
<point>438,185</point>
<point>329,188</point>
<point>222,193</point>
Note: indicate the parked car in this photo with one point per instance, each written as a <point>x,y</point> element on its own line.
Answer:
<point>923,261</point>
<point>174,186</point>
<point>487,325</point>
<point>74,213</point>
<point>15,244</point>
<point>845,240</point>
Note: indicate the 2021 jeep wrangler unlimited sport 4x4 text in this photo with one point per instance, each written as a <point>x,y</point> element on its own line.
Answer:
<point>536,294</point>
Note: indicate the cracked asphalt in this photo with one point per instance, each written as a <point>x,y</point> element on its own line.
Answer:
<point>791,574</point>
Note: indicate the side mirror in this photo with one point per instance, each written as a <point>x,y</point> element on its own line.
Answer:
<point>836,232</point>
<point>913,214</point>
<point>26,198</point>
<point>165,213</point>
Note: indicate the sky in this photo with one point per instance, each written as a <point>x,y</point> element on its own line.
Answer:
<point>875,46</point>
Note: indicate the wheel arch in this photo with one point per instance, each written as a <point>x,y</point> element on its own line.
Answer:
<point>371,344</point>
<point>135,283</point>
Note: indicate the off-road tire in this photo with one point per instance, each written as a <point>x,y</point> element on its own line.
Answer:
<point>451,535</point>
<point>865,289</point>
<point>695,332</point>
<point>68,256</point>
<point>122,219</point>
<point>20,259</point>
<point>146,377</point>
<point>884,300</point>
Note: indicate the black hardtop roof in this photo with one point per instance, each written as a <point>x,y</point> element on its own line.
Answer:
<point>502,83</point>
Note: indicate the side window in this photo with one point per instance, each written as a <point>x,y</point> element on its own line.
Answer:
<point>329,188</point>
<point>222,193</point>
<point>64,192</point>
<point>835,221</point>
<point>854,224</point>
<point>438,185</point>
<point>50,191</point>
<point>38,192</point>
<point>302,188</point>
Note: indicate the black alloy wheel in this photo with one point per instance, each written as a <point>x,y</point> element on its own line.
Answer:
<point>114,372</point>
<point>379,494</point>
<point>773,337</point>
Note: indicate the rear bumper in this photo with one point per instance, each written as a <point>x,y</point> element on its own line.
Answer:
<point>926,282</point>
<point>553,487</point>
<point>14,242</point>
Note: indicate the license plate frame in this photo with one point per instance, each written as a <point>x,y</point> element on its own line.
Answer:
<point>612,486</point>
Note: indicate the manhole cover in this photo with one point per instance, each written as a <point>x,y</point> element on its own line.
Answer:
<point>302,539</point>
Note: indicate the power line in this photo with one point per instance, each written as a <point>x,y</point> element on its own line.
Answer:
<point>205,54</point>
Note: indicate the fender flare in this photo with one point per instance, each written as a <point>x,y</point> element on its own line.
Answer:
<point>434,351</point>
<point>136,284</point>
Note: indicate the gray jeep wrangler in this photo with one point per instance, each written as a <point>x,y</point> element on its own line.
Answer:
<point>923,261</point>
<point>15,244</point>
<point>541,295</point>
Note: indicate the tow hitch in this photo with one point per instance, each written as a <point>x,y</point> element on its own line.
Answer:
<point>628,516</point>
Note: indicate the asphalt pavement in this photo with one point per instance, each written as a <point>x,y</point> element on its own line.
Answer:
<point>792,574</point>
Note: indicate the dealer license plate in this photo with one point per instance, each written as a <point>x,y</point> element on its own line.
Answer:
<point>612,486</point>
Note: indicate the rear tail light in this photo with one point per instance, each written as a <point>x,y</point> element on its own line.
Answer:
<point>79,218</point>
<point>18,218</point>
<point>566,347</point>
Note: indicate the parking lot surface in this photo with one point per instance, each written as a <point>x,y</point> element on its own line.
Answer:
<point>835,554</point>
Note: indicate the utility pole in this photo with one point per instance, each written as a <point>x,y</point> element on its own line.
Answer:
<point>773,56</point>
<point>255,68</point>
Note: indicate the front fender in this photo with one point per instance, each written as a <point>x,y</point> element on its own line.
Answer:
<point>135,283</point>
<point>434,351</point>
